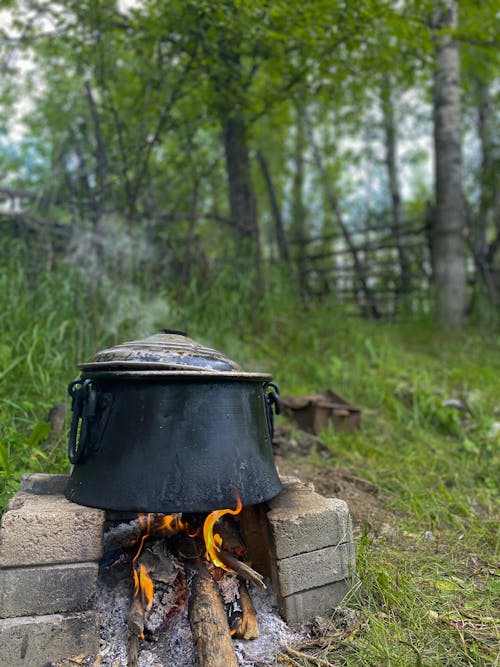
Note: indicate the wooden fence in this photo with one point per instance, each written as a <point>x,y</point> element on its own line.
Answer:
<point>376,272</point>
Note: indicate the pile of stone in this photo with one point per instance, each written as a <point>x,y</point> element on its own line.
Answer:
<point>49,553</point>
<point>50,550</point>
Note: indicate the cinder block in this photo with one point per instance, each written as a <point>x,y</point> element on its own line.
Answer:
<point>49,529</point>
<point>43,485</point>
<point>314,569</point>
<point>35,641</point>
<point>302,607</point>
<point>303,542</point>
<point>47,589</point>
<point>302,521</point>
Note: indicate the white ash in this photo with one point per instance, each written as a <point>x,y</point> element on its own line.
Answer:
<point>168,634</point>
<point>274,632</point>
<point>121,534</point>
<point>228,586</point>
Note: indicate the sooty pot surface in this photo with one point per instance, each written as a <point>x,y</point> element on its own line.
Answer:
<point>167,425</point>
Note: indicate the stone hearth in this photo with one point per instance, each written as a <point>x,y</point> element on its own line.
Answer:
<point>50,550</point>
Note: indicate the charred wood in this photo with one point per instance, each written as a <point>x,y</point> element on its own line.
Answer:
<point>133,651</point>
<point>245,571</point>
<point>207,617</point>
<point>248,627</point>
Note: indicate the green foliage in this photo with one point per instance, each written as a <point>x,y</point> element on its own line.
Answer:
<point>123,146</point>
<point>428,570</point>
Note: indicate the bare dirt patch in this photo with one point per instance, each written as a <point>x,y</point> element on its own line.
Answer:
<point>368,503</point>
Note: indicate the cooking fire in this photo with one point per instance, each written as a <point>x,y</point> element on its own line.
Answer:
<point>203,557</point>
<point>165,429</point>
<point>206,426</point>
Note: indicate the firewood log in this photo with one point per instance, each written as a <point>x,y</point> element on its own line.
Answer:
<point>248,627</point>
<point>136,617</point>
<point>208,620</point>
<point>231,539</point>
<point>133,650</point>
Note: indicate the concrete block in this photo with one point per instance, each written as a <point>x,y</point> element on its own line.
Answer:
<point>302,521</point>
<point>35,641</point>
<point>47,589</point>
<point>43,485</point>
<point>304,606</point>
<point>49,529</point>
<point>314,569</point>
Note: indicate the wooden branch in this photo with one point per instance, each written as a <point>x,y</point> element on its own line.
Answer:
<point>136,617</point>
<point>133,651</point>
<point>248,627</point>
<point>367,247</point>
<point>136,629</point>
<point>406,230</point>
<point>209,625</point>
<point>244,570</point>
<point>308,657</point>
<point>279,226</point>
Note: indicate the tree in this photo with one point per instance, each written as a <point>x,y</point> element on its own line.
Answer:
<point>448,226</point>
<point>390,134</point>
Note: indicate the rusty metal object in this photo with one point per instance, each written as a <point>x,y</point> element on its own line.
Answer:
<point>315,412</point>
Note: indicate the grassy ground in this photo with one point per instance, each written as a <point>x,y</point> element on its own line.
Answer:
<point>429,574</point>
<point>429,568</point>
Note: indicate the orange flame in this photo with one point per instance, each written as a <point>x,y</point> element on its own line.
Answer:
<point>144,587</point>
<point>145,525</point>
<point>163,525</point>
<point>170,524</point>
<point>149,524</point>
<point>143,591</point>
<point>213,541</point>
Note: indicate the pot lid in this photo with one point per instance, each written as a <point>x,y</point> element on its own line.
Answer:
<point>167,352</point>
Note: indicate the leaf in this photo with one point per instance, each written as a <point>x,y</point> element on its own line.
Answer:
<point>10,367</point>
<point>445,585</point>
<point>469,446</point>
<point>449,584</point>
<point>39,433</point>
<point>5,459</point>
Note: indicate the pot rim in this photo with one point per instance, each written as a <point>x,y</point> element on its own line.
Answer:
<point>96,370</point>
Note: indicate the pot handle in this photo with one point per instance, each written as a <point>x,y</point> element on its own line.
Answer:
<point>84,406</point>
<point>272,400</point>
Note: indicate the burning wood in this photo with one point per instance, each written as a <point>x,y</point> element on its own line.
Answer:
<point>208,620</point>
<point>142,600</point>
<point>248,625</point>
<point>206,562</point>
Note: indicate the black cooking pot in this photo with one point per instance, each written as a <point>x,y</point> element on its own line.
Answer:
<point>167,425</point>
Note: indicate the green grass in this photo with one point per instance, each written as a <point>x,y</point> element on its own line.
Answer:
<point>429,582</point>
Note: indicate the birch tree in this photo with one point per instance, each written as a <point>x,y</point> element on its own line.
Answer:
<point>448,225</point>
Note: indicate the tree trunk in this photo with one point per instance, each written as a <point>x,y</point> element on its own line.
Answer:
<point>298,226</point>
<point>448,230</point>
<point>99,157</point>
<point>281,237</point>
<point>392,174</point>
<point>489,208</point>
<point>242,198</point>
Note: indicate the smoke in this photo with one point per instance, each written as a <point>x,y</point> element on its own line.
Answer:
<point>118,266</point>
